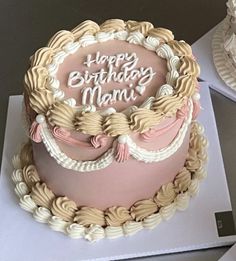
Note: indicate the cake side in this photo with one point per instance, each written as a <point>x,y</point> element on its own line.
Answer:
<point>62,214</point>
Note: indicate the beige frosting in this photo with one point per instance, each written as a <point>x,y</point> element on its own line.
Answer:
<point>42,195</point>
<point>185,85</point>
<point>89,123</point>
<point>64,208</point>
<point>168,105</point>
<point>162,33</point>
<point>86,27</point>
<point>41,100</point>
<point>182,180</point>
<point>192,162</point>
<point>189,67</point>
<point>180,48</point>
<point>116,216</point>
<point>142,119</point>
<point>36,78</point>
<point>112,25</point>
<point>26,154</point>
<point>42,57</point>
<point>116,124</point>
<point>197,142</point>
<point>61,115</point>
<point>60,39</point>
<point>30,175</point>
<point>87,216</point>
<point>165,195</point>
<point>142,27</point>
<point>142,209</point>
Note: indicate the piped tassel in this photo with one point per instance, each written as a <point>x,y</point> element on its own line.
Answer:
<point>36,128</point>
<point>122,149</point>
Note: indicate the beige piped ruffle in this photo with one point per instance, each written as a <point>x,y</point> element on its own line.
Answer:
<point>41,100</point>
<point>166,195</point>
<point>42,195</point>
<point>142,27</point>
<point>42,57</point>
<point>116,124</point>
<point>163,34</point>
<point>36,78</point>
<point>189,66</point>
<point>60,39</point>
<point>89,123</point>
<point>182,180</point>
<point>61,114</point>
<point>116,216</point>
<point>86,27</point>
<point>186,85</point>
<point>142,209</point>
<point>30,175</point>
<point>112,25</point>
<point>180,48</point>
<point>87,216</point>
<point>143,119</point>
<point>168,105</point>
<point>64,208</point>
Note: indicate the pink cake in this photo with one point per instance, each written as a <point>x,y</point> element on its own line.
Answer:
<point>114,146</point>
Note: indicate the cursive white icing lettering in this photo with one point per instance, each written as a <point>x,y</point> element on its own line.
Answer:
<point>127,72</point>
<point>90,95</point>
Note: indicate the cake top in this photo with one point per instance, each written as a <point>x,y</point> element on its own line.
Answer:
<point>93,77</point>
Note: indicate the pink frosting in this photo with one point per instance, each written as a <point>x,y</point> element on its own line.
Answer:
<point>99,141</point>
<point>156,131</point>
<point>35,131</point>
<point>64,136</point>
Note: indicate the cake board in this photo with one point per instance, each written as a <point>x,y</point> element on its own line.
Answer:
<point>202,50</point>
<point>21,237</point>
<point>230,255</point>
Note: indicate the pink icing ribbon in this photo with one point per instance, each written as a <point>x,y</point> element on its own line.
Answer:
<point>64,136</point>
<point>99,141</point>
<point>35,132</point>
<point>122,152</point>
<point>153,133</point>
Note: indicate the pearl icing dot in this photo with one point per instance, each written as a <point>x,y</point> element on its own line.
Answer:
<point>196,96</point>
<point>122,139</point>
<point>40,118</point>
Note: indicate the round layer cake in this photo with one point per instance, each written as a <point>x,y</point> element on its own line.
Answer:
<point>114,145</point>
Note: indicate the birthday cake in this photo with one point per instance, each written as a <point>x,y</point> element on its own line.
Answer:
<point>224,47</point>
<point>114,146</point>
